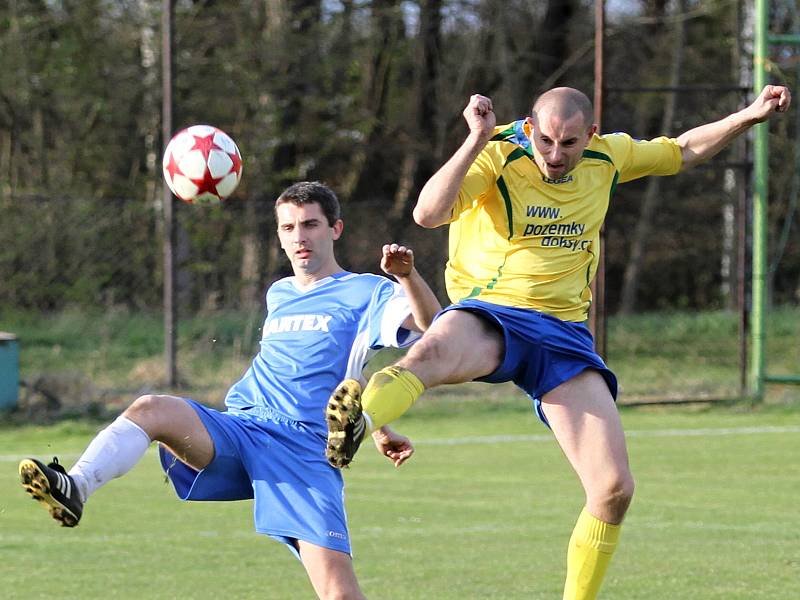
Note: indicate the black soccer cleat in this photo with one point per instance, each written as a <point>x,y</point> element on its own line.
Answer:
<point>51,487</point>
<point>346,424</point>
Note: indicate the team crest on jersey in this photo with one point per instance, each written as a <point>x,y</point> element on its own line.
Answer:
<point>296,323</point>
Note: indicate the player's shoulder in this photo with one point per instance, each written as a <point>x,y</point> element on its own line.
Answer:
<point>361,283</point>
<point>280,291</point>
<point>358,279</point>
<point>621,141</point>
<point>619,145</point>
<point>281,285</point>
<point>510,132</point>
<point>611,142</point>
<point>360,291</point>
<point>612,148</point>
<point>510,138</point>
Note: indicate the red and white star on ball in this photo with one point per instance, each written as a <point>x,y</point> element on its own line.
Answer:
<point>205,143</point>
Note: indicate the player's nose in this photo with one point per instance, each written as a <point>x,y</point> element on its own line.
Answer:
<point>298,235</point>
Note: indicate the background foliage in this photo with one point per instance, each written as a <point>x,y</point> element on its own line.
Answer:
<point>367,96</point>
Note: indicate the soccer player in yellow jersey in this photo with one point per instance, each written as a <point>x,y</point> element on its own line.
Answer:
<point>525,203</point>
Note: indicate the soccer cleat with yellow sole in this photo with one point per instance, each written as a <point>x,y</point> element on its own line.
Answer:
<point>51,487</point>
<point>346,424</point>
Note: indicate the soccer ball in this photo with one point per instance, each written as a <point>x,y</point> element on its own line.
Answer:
<point>202,165</point>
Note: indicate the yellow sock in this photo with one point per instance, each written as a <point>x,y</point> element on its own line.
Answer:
<point>390,393</point>
<point>590,548</point>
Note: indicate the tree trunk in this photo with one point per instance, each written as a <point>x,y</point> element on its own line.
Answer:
<point>554,37</point>
<point>417,165</point>
<point>299,47</point>
<point>148,50</point>
<point>387,28</point>
<point>652,196</point>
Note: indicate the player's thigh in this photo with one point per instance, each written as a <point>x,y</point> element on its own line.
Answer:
<point>330,571</point>
<point>459,346</point>
<point>585,421</point>
<point>173,422</point>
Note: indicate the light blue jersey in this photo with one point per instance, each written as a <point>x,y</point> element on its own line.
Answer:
<point>313,338</point>
<point>270,443</point>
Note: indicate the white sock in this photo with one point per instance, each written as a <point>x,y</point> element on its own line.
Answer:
<point>368,421</point>
<point>112,453</point>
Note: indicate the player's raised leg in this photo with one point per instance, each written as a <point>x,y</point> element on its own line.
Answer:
<point>586,424</point>
<point>114,452</point>
<point>459,346</point>
<point>330,572</point>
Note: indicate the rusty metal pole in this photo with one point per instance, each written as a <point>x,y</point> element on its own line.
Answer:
<point>168,241</point>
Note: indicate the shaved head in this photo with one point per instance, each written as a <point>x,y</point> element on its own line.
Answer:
<point>564,103</point>
<point>561,126</point>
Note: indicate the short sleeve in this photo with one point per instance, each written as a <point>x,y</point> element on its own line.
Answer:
<point>639,158</point>
<point>389,309</point>
<point>480,178</point>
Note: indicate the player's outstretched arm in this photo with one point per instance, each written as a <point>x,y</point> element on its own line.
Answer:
<point>398,261</point>
<point>703,142</point>
<point>397,448</point>
<point>440,192</point>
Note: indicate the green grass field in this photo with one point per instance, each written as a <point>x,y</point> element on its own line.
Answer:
<point>484,510</point>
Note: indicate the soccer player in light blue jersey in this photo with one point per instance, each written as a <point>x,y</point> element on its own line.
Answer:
<point>322,325</point>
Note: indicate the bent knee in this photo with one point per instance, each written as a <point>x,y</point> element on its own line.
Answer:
<point>149,410</point>
<point>622,492</point>
<point>614,497</point>
<point>147,403</point>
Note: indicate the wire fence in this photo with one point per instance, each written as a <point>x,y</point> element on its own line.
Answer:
<point>81,288</point>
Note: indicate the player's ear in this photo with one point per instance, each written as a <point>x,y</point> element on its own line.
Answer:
<point>338,227</point>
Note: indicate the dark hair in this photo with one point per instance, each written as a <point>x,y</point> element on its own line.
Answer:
<point>307,192</point>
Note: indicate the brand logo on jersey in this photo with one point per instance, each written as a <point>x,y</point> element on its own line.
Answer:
<point>297,323</point>
<point>564,179</point>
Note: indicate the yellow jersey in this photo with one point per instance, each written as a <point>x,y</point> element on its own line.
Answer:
<point>520,239</point>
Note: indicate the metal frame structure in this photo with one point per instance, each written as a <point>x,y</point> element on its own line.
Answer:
<point>754,373</point>
<point>598,312</point>
<point>757,375</point>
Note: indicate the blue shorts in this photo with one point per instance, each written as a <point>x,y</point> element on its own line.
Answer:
<point>279,463</point>
<point>541,351</point>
